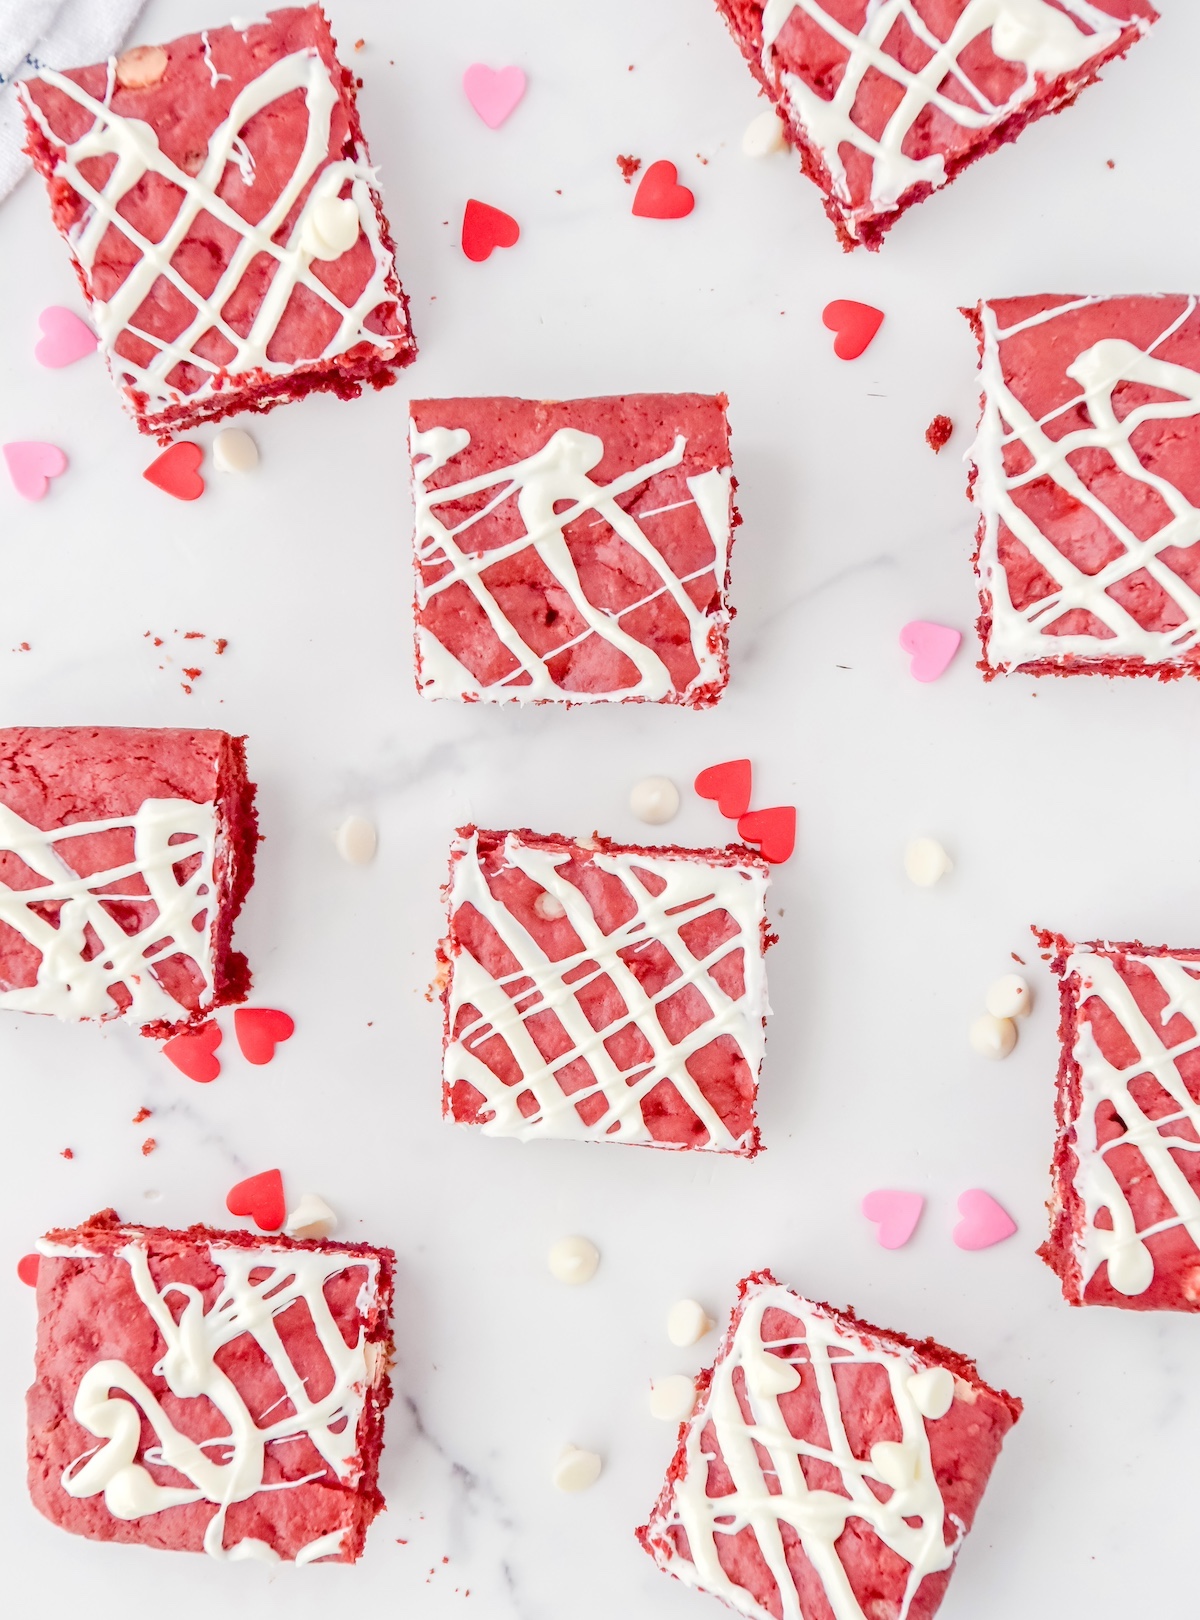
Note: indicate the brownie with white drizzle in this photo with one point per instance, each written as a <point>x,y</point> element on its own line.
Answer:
<point>125,856</point>
<point>1086,472</point>
<point>828,1467</point>
<point>605,992</point>
<point>573,551</point>
<point>887,102</point>
<point>210,1391</point>
<point>1125,1205</point>
<point>217,197</point>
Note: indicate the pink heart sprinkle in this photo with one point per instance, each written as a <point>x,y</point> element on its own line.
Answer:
<point>930,646</point>
<point>895,1213</point>
<point>66,339</point>
<point>983,1221</point>
<point>31,466</point>
<point>493,92</point>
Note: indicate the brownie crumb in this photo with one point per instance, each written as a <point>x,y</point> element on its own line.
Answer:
<point>193,674</point>
<point>142,1113</point>
<point>1111,164</point>
<point>628,166</point>
<point>148,1146</point>
<point>67,1153</point>
<point>937,434</point>
<point>220,644</point>
<point>359,43</point>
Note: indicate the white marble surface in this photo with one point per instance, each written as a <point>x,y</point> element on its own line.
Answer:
<point>1070,803</point>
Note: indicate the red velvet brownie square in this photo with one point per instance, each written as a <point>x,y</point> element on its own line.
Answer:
<point>204,1391</point>
<point>605,992</point>
<point>1087,477</point>
<point>1125,1206</point>
<point>125,856</point>
<point>829,1468</point>
<point>888,100</point>
<point>220,207</point>
<point>573,551</point>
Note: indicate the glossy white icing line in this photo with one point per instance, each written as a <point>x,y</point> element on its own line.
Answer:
<point>1018,636</point>
<point>1044,39</point>
<point>1130,1263</point>
<point>226,1467</point>
<point>183,922</point>
<point>911,1523</point>
<point>133,145</point>
<point>557,474</point>
<point>693,890</point>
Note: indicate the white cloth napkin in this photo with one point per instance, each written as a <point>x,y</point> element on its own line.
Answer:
<point>56,34</point>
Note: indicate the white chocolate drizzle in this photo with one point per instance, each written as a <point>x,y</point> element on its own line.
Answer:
<point>693,889</point>
<point>1124,1246</point>
<point>134,146</point>
<point>1019,636</point>
<point>183,922</point>
<point>1047,41</point>
<point>553,476</point>
<point>764,1460</point>
<point>227,1467</point>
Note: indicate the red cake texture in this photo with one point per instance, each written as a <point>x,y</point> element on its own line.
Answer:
<point>1125,1207</point>
<point>830,1469</point>
<point>888,100</point>
<point>210,1391</point>
<point>281,276</point>
<point>573,550</point>
<point>1087,478</point>
<point>125,856</point>
<point>604,992</point>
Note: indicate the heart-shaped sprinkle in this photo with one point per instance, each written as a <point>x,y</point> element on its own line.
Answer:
<point>66,338</point>
<point>194,1052</point>
<point>27,1269</point>
<point>177,471</point>
<point>484,229</point>
<point>31,466</point>
<point>930,646</point>
<point>855,326</point>
<point>659,194</point>
<point>261,1198</point>
<point>983,1222</point>
<point>259,1030</point>
<point>727,783</point>
<point>773,830</point>
<point>493,92</point>
<point>895,1214</point>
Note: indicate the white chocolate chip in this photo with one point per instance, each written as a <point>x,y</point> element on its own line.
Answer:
<point>672,1397</point>
<point>1009,997</point>
<point>993,1037</point>
<point>357,841</point>
<point>926,862</point>
<point>573,1260</point>
<point>549,907</point>
<point>311,1218</point>
<point>654,799</point>
<point>764,135</point>
<point>687,1323</point>
<point>894,1463</point>
<point>576,1470</point>
<point>141,67</point>
<point>330,227</point>
<point>932,1391</point>
<point>233,450</point>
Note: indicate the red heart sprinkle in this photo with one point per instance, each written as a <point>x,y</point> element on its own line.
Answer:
<point>194,1052</point>
<point>27,1268</point>
<point>659,194</point>
<point>485,228</point>
<point>261,1198</point>
<point>728,784</point>
<point>258,1031</point>
<point>774,831</point>
<point>855,325</point>
<point>177,471</point>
